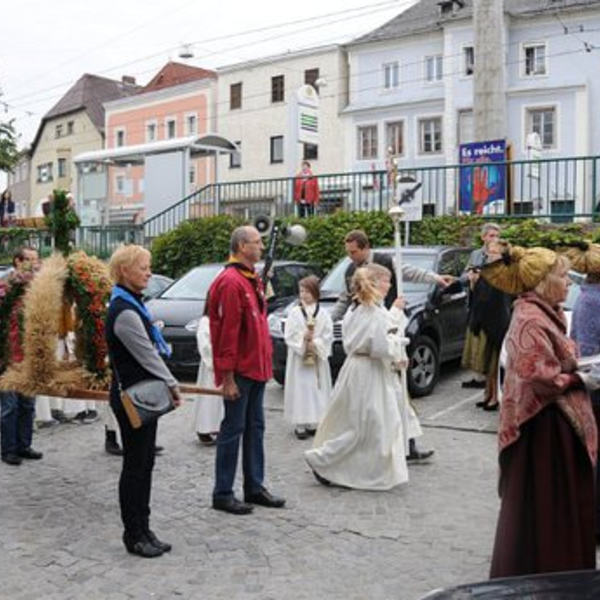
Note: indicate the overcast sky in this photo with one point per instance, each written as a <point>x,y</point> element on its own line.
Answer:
<point>46,46</point>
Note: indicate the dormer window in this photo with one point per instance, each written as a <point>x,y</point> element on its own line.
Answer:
<point>450,7</point>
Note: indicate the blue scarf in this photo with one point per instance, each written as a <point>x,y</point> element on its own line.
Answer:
<point>155,334</point>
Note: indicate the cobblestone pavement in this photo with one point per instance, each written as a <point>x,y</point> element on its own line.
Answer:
<point>60,528</point>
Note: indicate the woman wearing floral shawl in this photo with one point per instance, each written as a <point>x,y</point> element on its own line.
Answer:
<point>547,433</point>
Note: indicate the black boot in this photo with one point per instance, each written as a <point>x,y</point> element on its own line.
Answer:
<point>416,455</point>
<point>141,546</point>
<point>110,443</point>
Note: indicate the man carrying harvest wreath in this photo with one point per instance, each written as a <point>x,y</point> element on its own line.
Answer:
<point>17,410</point>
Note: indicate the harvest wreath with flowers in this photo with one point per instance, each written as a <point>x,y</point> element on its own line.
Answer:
<point>81,281</point>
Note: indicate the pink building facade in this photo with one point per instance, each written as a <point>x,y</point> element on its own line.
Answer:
<point>180,102</point>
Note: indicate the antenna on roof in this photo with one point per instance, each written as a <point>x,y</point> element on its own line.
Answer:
<point>186,51</point>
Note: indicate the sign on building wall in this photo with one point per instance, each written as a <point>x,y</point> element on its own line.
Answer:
<point>483,186</point>
<point>307,119</point>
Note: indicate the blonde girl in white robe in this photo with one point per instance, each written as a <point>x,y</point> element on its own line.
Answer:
<point>307,387</point>
<point>208,410</point>
<point>360,441</point>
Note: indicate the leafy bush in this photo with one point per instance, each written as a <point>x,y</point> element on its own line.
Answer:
<point>207,240</point>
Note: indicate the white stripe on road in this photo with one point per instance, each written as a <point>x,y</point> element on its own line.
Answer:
<point>454,406</point>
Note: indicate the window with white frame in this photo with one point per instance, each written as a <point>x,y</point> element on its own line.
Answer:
<point>119,137</point>
<point>430,135</point>
<point>542,120</point>
<point>58,131</point>
<point>391,75</point>
<point>367,142</point>
<point>235,158</point>
<point>394,138</point>
<point>120,184</point>
<point>277,149</point>
<point>191,124</point>
<point>171,127</point>
<point>433,68</point>
<point>310,152</point>
<point>468,61</point>
<point>70,127</point>
<point>534,59</point>
<point>151,128</point>
<point>192,174</point>
<point>44,172</point>
<point>62,167</point>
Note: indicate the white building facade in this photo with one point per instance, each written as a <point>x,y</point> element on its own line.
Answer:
<point>255,110</point>
<point>411,91</point>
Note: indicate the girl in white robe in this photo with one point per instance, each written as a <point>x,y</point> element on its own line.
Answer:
<point>360,441</point>
<point>307,386</point>
<point>208,410</point>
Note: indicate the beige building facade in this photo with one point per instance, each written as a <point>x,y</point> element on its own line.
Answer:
<point>52,168</point>
<point>74,125</point>
<point>255,111</point>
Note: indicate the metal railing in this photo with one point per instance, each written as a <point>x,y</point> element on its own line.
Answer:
<point>556,189</point>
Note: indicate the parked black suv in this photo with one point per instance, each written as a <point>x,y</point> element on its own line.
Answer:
<point>437,318</point>
<point>178,308</point>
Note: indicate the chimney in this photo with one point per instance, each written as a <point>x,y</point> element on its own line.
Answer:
<point>128,80</point>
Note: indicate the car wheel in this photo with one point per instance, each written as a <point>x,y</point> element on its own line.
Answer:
<point>424,367</point>
<point>279,377</point>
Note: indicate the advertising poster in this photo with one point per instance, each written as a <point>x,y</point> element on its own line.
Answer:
<point>483,185</point>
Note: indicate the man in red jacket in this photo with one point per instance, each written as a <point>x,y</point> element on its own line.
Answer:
<point>242,362</point>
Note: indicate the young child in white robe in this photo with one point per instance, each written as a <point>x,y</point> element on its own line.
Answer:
<point>308,336</point>
<point>208,410</point>
<point>360,441</point>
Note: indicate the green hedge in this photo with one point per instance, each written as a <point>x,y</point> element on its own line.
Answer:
<point>207,240</point>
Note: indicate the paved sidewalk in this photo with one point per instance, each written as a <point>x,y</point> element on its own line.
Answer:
<point>60,527</point>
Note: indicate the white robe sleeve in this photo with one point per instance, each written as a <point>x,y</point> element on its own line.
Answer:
<point>295,328</point>
<point>384,344</point>
<point>397,339</point>
<point>203,340</point>
<point>323,338</point>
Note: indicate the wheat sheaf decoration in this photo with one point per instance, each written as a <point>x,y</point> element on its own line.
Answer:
<point>81,284</point>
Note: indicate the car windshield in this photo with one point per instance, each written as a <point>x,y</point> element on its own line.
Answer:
<point>193,285</point>
<point>333,284</point>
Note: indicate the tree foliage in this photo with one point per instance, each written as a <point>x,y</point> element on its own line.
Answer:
<point>9,154</point>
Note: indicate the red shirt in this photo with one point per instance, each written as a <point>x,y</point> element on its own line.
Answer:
<point>239,332</point>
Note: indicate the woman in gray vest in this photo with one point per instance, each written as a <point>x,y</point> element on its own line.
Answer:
<point>135,346</point>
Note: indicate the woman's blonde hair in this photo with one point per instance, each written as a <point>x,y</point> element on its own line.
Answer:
<point>364,283</point>
<point>125,256</point>
<point>546,288</point>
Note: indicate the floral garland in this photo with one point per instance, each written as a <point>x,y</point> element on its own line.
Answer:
<point>12,290</point>
<point>89,286</point>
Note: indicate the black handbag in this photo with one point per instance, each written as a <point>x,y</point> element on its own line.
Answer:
<point>146,401</point>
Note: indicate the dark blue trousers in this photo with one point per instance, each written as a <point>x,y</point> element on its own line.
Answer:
<point>244,421</point>
<point>16,422</point>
